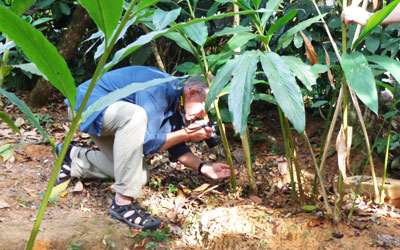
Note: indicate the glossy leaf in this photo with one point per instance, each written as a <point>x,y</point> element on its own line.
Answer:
<point>265,97</point>
<point>282,21</point>
<point>180,40</point>
<point>221,79</point>
<point>197,33</point>
<point>40,51</point>
<point>389,64</point>
<point>4,117</point>
<point>162,19</point>
<point>256,3</point>
<point>31,68</point>
<point>116,95</point>
<point>375,20</point>
<point>361,79</point>
<point>27,112</point>
<point>240,95</point>
<point>105,14</point>
<point>271,5</point>
<point>232,31</point>
<point>286,91</point>
<point>238,41</point>
<point>302,71</point>
<point>301,26</point>
<point>20,6</point>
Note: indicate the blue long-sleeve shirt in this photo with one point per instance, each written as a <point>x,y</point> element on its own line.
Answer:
<point>160,103</point>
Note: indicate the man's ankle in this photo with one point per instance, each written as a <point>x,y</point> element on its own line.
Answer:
<point>122,200</point>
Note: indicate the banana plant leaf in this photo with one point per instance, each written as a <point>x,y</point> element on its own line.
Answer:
<point>360,77</point>
<point>40,51</point>
<point>240,95</point>
<point>285,89</point>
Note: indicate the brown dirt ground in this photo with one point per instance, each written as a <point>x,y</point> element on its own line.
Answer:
<point>199,213</point>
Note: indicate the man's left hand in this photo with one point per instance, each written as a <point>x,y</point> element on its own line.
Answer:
<point>216,171</point>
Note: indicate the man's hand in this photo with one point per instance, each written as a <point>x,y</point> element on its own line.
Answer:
<point>216,170</point>
<point>197,131</point>
<point>353,14</point>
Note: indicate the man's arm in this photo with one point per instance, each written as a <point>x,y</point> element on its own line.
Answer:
<point>358,15</point>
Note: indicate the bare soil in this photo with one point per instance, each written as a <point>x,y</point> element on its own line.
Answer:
<point>197,213</point>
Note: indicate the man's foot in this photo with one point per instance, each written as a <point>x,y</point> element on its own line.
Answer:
<point>134,215</point>
<point>65,171</point>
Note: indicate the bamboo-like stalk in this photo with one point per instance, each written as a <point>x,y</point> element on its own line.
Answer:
<point>3,65</point>
<point>249,165</point>
<point>74,127</point>
<point>155,51</point>
<point>288,152</point>
<point>321,182</point>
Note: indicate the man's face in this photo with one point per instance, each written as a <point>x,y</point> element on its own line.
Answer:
<point>194,105</point>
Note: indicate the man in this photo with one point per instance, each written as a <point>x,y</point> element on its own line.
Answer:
<point>353,14</point>
<point>144,122</point>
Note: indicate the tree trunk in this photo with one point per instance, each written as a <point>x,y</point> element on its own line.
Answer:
<point>66,47</point>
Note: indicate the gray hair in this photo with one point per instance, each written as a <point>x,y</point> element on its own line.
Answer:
<point>198,82</point>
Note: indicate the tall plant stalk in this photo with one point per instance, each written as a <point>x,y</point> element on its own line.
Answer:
<point>3,66</point>
<point>249,165</point>
<point>74,127</point>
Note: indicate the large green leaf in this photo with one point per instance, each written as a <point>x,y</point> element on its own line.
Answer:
<point>231,31</point>
<point>389,64</point>
<point>272,5</point>
<point>361,79</point>
<point>256,3</point>
<point>180,40</point>
<point>31,68</point>
<point>282,42</point>
<point>220,80</point>
<point>162,19</point>
<point>301,70</point>
<point>122,53</point>
<point>27,112</point>
<point>282,21</point>
<point>105,14</point>
<point>375,20</point>
<point>40,51</point>
<point>197,33</point>
<point>265,97</point>
<point>240,95</point>
<point>20,6</point>
<point>116,95</point>
<point>4,117</point>
<point>238,41</point>
<point>286,91</point>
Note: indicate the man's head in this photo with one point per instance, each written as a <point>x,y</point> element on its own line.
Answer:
<point>195,92</point>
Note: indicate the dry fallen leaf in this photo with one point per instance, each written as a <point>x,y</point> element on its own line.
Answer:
<point>328,62</point>
<point>78,187</point>
<point>255,199</point>
<point>202,187</point>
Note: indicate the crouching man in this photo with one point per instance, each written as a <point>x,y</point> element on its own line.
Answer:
<point>148,121</point>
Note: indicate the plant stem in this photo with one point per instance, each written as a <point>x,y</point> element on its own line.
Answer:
<point>249,165</point>
<point>74,127</point>
<point>288,153</point>
<point>3,65</point>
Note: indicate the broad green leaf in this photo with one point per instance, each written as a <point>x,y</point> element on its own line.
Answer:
<point>265,97</point>
<point>59,188</point>
<point>114,96</point>
<point>271,5</point>
<point>389,64</point>
<point>240,95</point>
<point>231,31</point>
<point>180,40</point>
<point>144,4</point>
<point>6,152</point>
<point>162,19</point>
<point>27,112</point>
<point>282,21</point>
<point>185,67</point>
<point>318,104</point>
<point>20,6</point>
<point>105,14</point>
<point>319,68</point>
<point>286,91</point>
<point>41,20</point>
<point>121,54</point>
<point>40,51</point>
<point>361,79</point>
<point>256,3</point>
<point>390,114</point>
<point>197,33</point>
<point>220,80</point>
<point>375,20</point>
<point>238,41</point>
<point>7,46</point>
<point>301,70</point>
<point>301,26</point>
<point>31,68</point>
<point>4,117</point>
<point>372,43</point>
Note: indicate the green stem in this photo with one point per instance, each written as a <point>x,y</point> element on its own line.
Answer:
<point>288,152</point>
<point>3,64</point>
<point>74,127</point>
<point>249,167</point>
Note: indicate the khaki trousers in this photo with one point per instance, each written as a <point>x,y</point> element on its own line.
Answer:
<point>121,150</point>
